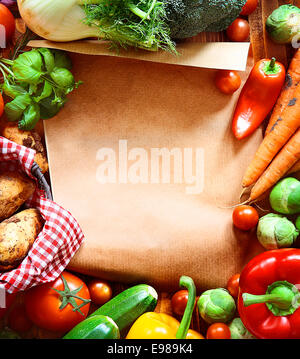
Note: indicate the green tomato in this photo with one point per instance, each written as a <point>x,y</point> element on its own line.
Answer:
<point>238,330</point>
<point>275,231</point>
<point>285,196</point>
<point>216,305</point>
<point>284,23</point>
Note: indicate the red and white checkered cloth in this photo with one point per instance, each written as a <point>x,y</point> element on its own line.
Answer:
<point>56,244</point>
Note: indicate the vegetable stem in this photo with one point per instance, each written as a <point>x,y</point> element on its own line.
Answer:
<point>188,283</point>
<point>250,299</point>
<point>281,298</point>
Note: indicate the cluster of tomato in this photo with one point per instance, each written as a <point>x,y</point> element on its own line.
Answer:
<point>229,81</point>
<point>216,330</point>
<point>42,305</point>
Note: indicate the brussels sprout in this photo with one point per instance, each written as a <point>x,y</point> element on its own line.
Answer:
<point>238,330</point>
<point>216,305</point>
<point>284,23</point>
<point>276,231</point>
<point>285,196</point>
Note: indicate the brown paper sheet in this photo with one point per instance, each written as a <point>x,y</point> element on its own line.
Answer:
<point>145,226</point>
<point>215,55</point>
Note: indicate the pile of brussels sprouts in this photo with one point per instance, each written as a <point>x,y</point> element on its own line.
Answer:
<point>281,229</point>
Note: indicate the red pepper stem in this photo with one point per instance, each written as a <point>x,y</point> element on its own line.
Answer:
<point>250,299</point>
<point>188,283</point>
<point>281,298</point>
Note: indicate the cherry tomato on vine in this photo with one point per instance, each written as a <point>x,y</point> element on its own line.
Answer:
<point>245,217</point>
<point>100,291</point>
<point>249,7</point>
<point>18,319</point>
<point>8,21</point>
<point>239,30</point>
<point>233,285</point>
<point>227,81</point>
<point>59,305</point>
<point>218,331</point>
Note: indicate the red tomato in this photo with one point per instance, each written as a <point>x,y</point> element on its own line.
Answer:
<point>179,302</point>
<point>7,20</point>
<point>249,7</point>
<point>245,217</point>
<point>227,81</point>
<point>218,331</point>
<point>18,320</point>
<point>43,304</point>
<point>100,291</point>
<point>233,285</point>
<point>239,30</point>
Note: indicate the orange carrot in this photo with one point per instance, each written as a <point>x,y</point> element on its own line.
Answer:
<point>295,168</point>
<point>287,93</point>
<point>285,127</point>
<point>285,159</point>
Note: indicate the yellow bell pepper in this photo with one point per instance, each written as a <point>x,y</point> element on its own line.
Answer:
<point>158,326</point>
<point>163,326</point>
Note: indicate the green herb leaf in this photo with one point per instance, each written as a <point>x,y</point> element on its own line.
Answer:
<point>61,59</point>
<point>30,117</point>
<point>16,107</point>
<point>63,78</point>
<point>45,92</point>
<point>28,67</point>
<point>50,106</point>
<point>48,59</point>
<point>13,91</point>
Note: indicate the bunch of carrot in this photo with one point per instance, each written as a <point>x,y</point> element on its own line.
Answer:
<point>279,153</point>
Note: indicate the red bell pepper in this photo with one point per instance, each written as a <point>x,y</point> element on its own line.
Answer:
<point>258,96</point>
<point>269,297</point>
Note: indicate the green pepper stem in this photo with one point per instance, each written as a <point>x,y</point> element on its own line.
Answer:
<point>188,283</point>
<point>281,298</point>
<point>272,63</point>
<point>271,67</point>
<point>250,299</point>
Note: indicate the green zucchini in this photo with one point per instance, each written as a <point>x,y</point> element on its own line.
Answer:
<point>126,307</point>
<point>96,327</point>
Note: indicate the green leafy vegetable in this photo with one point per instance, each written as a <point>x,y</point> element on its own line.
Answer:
<point>38,82</point>
<point>15,108</point>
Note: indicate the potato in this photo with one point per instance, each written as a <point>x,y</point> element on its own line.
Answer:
<point>30,139</point>
<point>15,189</point>
<point>17,235</point>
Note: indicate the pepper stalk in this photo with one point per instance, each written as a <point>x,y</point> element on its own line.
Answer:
<point>282,298</point>
<point>189,284</point>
